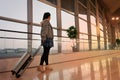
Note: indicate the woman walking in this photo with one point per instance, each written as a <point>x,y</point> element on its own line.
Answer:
<point>46,41</point>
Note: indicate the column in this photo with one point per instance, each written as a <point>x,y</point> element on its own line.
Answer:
<point>77,23</point>
<point>104,31</point>
<point>89,26</point>
<point>29,20</point>
<point>97,25</point>
<point>59,26</point>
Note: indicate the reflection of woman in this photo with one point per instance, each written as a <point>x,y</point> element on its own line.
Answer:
<point>46,41</point>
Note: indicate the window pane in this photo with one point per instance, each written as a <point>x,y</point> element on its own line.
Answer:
<point>64,33</point>
<point>82,12</point>
<point>101,33</point>
<point>102,45</point>
<point>94,38</point>
<point>93,20</point>
<point>13,35</point>
<point>66,45</point>
<point>39,9</point>
<point>101,26</point>
<point>6,25</point>
<point>93,30</point>
<point>83,26</point>
<point>84,45</point>
<point>83,36</point>
<point>94,45</point>
<point>12,47</point>
<point>67,20</point>
<point>14,9</point>
<point>84,16</point>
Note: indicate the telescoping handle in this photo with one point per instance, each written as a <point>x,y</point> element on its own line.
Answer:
<point>36,51</point>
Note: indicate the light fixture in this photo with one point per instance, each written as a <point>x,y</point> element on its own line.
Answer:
<point>115,18</point>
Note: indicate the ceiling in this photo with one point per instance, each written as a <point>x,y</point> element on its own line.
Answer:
<point>112,9</point>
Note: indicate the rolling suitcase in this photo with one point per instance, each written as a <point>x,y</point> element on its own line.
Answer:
<point>23,63</point>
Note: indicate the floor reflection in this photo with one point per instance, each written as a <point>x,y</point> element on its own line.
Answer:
<point>104,69</point>
<point>88,69</point>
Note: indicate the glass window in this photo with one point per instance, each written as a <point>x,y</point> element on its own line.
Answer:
<point>93,19</point>
<point>66,45</point>
<point>94,37</point>
<point>83,26</point>
<point>83,36</point>
<point>12,26</point>
<point>14,9</point>
<point>101,33</point>
<point>39,9</point>
<point>67,20</point>
<point>36,29</point>
<point>94,45</point>
<point>7,25</point>
<point>94,42</point>
<point>101,26</point>
<point>93,30</point>
<point>64,33</point>
<point>84,44</point>
<point>83,16</point>
<point>13,35</point>
<point>82,12</point>
<point>102,45</point>
<point>12,47</point>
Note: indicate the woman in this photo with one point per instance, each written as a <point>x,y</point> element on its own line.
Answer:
<point>46,41</point>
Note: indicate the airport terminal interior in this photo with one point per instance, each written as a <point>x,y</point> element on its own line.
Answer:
<point>94,54</point>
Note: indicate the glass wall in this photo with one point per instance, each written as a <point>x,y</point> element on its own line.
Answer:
<point>39,8</point>
<point>83,25</point>
<point>13,28</point>
<point>16,9</point>
<point>67,20</point>
<point>13,39</point>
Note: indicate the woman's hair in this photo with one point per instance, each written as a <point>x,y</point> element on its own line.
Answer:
<point>46,15</point>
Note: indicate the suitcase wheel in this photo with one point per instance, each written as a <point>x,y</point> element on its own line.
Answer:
<point>13,72</point>
<point>17,75</point>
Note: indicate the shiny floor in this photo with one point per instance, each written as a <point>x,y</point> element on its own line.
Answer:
<point>97,68</point>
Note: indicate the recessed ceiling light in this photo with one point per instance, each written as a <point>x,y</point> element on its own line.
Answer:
<point>117,18</point>
<point>113,18</point>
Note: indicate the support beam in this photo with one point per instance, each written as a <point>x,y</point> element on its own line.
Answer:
<point>29,20</point>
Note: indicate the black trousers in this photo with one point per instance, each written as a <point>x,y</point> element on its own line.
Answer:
<point>45,55</point>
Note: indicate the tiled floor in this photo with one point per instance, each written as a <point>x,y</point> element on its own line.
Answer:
<point>98,68</point>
